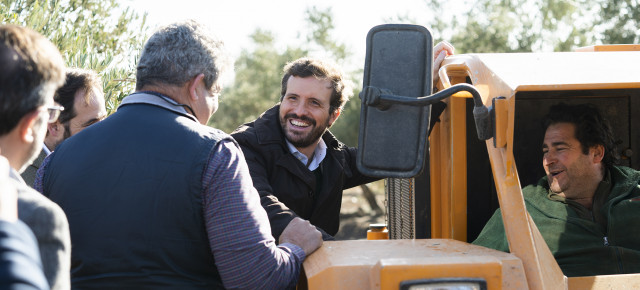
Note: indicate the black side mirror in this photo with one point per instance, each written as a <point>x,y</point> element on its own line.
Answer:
<point>396,102</point>
<point>393,138</point>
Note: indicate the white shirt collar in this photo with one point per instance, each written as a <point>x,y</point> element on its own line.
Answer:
<point>46,149</point>
<point>15,175</point>
<point>318,154</point>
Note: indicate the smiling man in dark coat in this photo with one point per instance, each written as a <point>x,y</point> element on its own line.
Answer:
<point>299,168</point>
<point>297,165</point>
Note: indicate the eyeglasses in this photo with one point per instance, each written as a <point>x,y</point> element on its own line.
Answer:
<point>54,112</point>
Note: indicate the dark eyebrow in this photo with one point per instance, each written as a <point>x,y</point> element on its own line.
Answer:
<point>93,121</point>
<point>555,144</point>
<point>90,122</point>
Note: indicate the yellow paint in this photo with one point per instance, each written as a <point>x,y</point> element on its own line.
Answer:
<point>606,282</point>
<point>448,171</point>
<point>610,47</point>
<point>540,267</point>
<point>458,195</point>
<point>381,264</point>
<point>501,122</point>
<point>393,272</point>
<point>436,178</point>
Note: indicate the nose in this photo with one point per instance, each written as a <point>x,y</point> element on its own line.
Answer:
<point>299,108</point>
<point>548,158</point>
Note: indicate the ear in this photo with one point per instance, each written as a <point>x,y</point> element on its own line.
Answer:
<point>598,153</point>
<point>334,116</point>
<point>26,126</point>
<point>55,129</point>
<point>193,86</point>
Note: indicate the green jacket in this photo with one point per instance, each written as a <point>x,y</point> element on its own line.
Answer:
<point>582,247</point>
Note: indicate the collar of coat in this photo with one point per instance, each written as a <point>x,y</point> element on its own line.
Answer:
<point>625,186</point>
<point>268,130</point>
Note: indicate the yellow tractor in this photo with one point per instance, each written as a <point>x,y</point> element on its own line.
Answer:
<point>451,158</point>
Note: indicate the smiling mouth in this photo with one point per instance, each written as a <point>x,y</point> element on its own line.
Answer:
<point>299,123</point>
<point>555,173</point>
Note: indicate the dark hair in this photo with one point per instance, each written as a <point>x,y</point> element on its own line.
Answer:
<point>306,67</point>
<point>31,69</point>
<point>178,52</point>
<point>591,128</point>
<point>76,79</point>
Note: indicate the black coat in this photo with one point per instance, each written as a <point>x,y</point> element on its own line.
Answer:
<point>288,188</point>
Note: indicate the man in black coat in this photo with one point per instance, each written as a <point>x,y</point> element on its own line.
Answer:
<point>297,165</point>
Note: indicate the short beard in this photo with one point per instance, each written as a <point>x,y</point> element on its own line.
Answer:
<point>308,140</point>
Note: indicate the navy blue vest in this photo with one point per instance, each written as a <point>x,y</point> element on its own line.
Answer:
<point>131,187</point>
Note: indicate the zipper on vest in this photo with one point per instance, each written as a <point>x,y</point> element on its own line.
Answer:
<point>618,257</point>
<point>620,265</point>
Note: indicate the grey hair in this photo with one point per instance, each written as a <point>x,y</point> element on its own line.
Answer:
<point>178,52</point>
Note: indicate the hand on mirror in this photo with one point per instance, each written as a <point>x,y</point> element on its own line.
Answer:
<point>440,51</point>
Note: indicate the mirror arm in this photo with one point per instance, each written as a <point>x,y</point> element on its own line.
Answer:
<point>382,99</point>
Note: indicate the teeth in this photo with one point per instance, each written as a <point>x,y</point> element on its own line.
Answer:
<point>299,124</point>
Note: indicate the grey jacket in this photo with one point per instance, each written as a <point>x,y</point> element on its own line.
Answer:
<point>29,174</point>
<point>51,228</point>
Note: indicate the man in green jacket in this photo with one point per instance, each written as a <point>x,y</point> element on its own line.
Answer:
<point>586,208</point>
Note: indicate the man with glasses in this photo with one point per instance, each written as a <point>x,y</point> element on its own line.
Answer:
<point>82,98</point>
<point>32,70</point>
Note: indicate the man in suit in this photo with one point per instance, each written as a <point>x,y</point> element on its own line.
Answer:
<point>83,102</point>
<point>20,265</point>
<point>32,70</point>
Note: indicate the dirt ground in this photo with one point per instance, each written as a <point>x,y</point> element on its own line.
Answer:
<point>356,213</point>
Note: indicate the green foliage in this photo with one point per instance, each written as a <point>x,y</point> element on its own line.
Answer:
<point>259,72</point>
<point>257,84</point>
<point>91,34</point>
<point>118,78</point>
<point>619,20</point>
<point>321,28</point>
<point>536,25</point>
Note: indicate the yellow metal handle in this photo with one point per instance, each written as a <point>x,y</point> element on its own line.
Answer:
<point>443,72</point>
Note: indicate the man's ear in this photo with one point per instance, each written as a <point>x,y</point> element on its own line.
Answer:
<point>26,126</point>
<point>598,153</point>
<point>55,129</point>
<point>193,86</point>
<point>333,117</point>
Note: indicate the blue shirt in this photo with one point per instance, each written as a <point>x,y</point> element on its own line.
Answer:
<point>318,154</point>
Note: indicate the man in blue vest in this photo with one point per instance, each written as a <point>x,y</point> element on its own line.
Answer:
<point>157,199</point>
